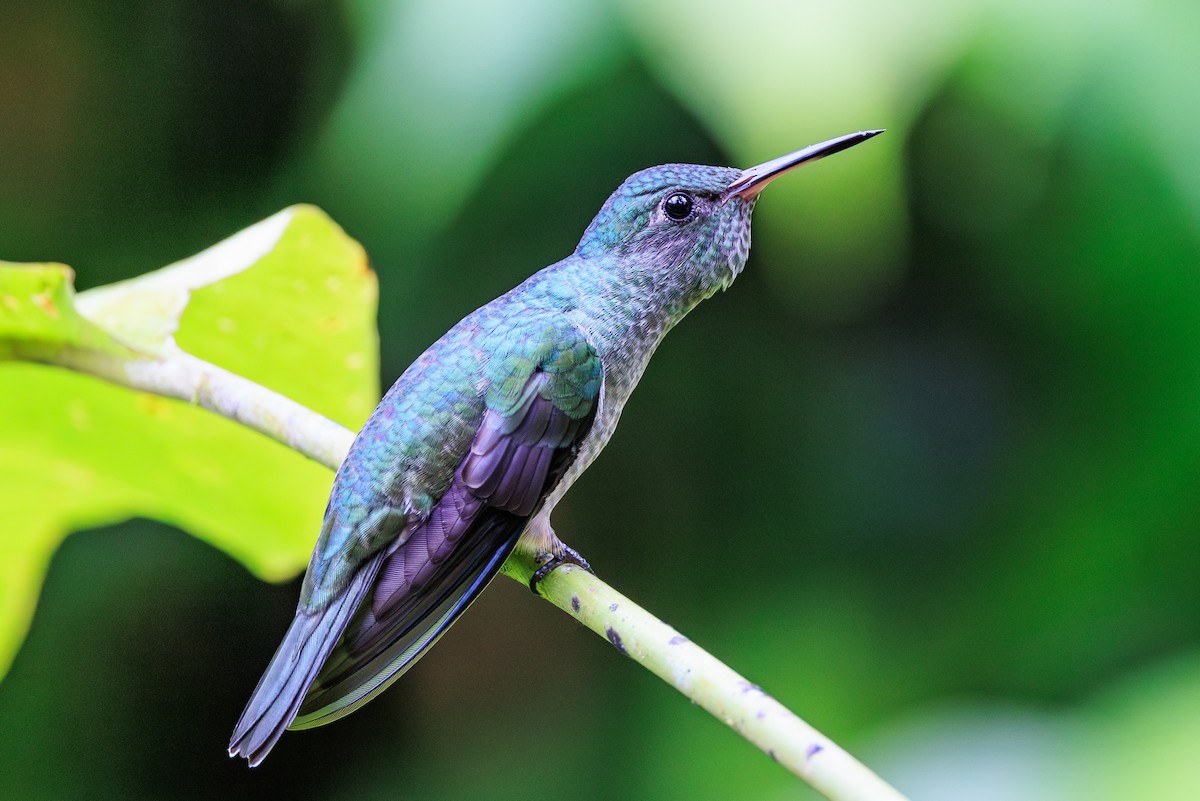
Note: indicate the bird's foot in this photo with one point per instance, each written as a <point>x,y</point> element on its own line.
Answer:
<point>566,555</point>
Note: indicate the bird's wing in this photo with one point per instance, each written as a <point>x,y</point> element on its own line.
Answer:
<point>539,405</point>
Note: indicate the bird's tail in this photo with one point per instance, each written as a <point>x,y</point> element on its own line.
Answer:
<point>377,650</point>
<point>305,647</point>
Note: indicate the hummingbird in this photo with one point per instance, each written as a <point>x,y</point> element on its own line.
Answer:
<point>477,441</point>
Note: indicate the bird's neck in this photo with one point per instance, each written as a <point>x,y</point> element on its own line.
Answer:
<point>631,306</point>
<point>625,308</point>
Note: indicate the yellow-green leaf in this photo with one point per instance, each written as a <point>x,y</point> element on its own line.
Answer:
<point>289,303</point>
<point>38,315</point>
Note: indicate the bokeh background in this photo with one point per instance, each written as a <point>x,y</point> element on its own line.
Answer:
<point>927,473</point>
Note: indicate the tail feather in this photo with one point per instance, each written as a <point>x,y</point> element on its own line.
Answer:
<point>377,651</point>
<point>308,642</point>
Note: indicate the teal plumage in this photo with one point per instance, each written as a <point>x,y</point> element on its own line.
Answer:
<point>481,436</point>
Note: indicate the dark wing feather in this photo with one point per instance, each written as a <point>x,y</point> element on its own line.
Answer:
<point>430,579</point>
<point>377,651</point>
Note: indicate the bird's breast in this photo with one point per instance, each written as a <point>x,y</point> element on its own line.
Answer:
<point>624,359</point>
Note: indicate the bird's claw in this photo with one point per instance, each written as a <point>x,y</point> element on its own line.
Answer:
<point>567,556</point>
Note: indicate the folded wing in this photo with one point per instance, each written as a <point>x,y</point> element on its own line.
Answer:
<point>516,458</point>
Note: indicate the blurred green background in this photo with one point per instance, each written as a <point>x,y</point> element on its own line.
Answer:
<point>927,473</point>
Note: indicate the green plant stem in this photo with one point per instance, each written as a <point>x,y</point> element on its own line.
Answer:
<point>708,682</point>
<point>634,632</point>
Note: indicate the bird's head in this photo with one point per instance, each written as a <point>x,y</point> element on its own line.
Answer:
<point>688,221</point>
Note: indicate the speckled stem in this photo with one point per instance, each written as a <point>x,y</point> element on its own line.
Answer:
<point>632,630</point>
<point>708,682</point>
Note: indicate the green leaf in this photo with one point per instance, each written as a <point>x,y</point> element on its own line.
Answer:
<point>38,315</point>
<point>289,303</point>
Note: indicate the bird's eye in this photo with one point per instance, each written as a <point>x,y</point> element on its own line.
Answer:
<point>678,206</point>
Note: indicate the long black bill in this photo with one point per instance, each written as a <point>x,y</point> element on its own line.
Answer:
<point>755,179</point>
